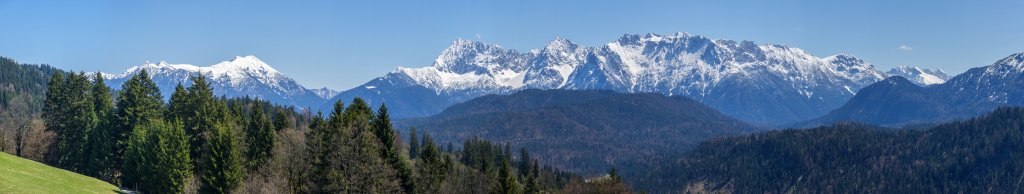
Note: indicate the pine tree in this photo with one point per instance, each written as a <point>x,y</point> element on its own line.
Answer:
<point>358,115</point>
<point>524,162</point>
<point>139,102</point>
<point>54,107</point>
<point>368,172</point>
<point>507,183</point>
<point>100,139</point>
<point>386,134</point>
<point>178,107</point>
<point>317,148</point>
<point>78,120</point>
<point>157,158</point>
<point>414,144</point>
<point>533,179</point>
<point>204,112</point>
<point>431,167</point>
<point>281,121</point>
<point>259,138</point>
<point>223,164</point>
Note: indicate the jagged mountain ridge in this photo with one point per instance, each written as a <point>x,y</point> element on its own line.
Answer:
<point>239,77</point>
<point>757,83</point>
<point>972,93</point>
<point>919,76</point>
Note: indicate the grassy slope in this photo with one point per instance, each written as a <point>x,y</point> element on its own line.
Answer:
<point>18,175</point>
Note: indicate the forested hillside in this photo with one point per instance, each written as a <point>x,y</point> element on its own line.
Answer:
<point>22,88</point>
<point>585,131</point>
<point>980,155</point>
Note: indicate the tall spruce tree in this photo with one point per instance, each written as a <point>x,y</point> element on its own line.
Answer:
<point>100,139</point>
<point>139,102</point>
<point>54,113</point>
<point>414,144</point>
<point>533,179</point>
<point>524,162</point>
<point>223,162</point>
<point>157,158</point>
<point>317,142</point>
<point>77,119</point>
<point>431,167</point>
<point>281,120</point>
<point>178,107</point>
<point>386,134</point>
<point>204,112</point>
<point>507,183</point>
<point>259,137</point>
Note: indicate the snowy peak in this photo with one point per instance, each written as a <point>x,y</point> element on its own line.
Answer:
<point>1011,64</point>
<point>919,76</point>
<point>695,66</point>
<point>243,64</point>
<point>247,65</point>
<point>325,93</point>
<point>239,77</point>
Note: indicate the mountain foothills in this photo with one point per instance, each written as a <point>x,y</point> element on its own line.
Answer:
<point>766,83</point>
<point>896,101</point>
<point>585,131</point>
<point>979,155</point>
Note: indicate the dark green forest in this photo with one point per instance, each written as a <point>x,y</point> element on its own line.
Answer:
<point>980,155</point>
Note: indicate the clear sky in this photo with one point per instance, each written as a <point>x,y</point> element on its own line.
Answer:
<point>341,44</point>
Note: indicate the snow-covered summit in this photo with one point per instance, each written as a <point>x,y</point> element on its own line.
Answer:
<point>238,77</point>
<point>920,76</point>
<point>1009,65</point>
<point>236,70</point>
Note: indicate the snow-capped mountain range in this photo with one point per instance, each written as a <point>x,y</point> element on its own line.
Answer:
<point>760,83</point>
<point>325,92</point>
<point>763,83</point>
<point>239,77</point>
<point>920,76</point>
<point>896,101</point>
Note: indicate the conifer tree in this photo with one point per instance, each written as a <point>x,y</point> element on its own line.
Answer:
<point>386,134</point>
<point>414,144</point>
<point>431,167</point>
<point>77,119</point>
<point>316,146</point>
<point>259,138</point>
<point>157,158</point>
<point>281,121</point>
<point>507,183</point>
<point>223,163</point>
<point>203,113</point>
<point>178,107</point>
<point>100,139</point>
<point>533,179</point>
<point>524,162</point>
<point>139,102</point>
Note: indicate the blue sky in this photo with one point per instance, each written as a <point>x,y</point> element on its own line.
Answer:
<point>341,44</point>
